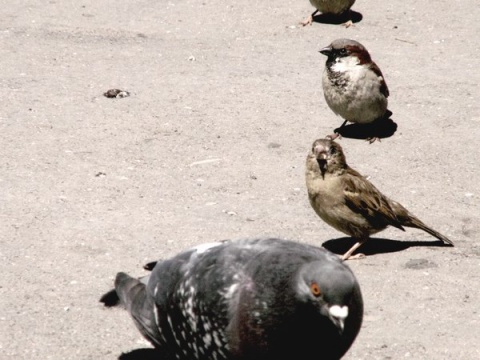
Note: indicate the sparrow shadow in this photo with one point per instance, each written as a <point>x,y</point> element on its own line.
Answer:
<point>377,245</point>
<point>381,129</point>
<point>331,19</point>
<point>145,354</point>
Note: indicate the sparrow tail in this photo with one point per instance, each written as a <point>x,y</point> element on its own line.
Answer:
<point>416,223</point>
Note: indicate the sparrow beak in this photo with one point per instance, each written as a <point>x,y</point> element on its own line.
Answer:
<point>320,152</point>
<point>337,315</point>
<point>326,51</point>
<point>321,155</point>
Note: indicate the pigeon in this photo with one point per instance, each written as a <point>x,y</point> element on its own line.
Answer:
<point>253,298</point>
<point>350,203</point>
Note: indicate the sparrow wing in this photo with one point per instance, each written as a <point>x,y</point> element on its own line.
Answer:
<point>383,87</point>
<point>362,197</point>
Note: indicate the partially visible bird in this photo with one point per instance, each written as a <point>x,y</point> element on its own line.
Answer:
<point>353,85</point>
<point>254,299</point>
<point>350,203</point>
<point>336,8</point>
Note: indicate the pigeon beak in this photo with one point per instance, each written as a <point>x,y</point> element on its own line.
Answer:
<point>338,314</point>
<point>326,51</point>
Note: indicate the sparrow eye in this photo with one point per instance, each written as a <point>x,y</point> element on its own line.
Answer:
<point>343,51</point>
<point>315,289</point>
<point>333,150</point>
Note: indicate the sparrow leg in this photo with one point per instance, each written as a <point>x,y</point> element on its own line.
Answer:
<point>348,254</point>
<point>309,20</point>
<point>336,133</point>
<point>348,16</point>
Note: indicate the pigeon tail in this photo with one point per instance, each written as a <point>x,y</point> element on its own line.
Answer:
<point>127,289</point>
<point>132,293</point>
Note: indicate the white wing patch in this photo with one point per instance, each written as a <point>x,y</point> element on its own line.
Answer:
<point>204,247</point>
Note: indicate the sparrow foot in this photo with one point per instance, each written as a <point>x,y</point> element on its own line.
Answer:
<point>371,140</point>
<point>307,21</point>
<point>348,23</point>
<point>334,136</point>
<point>358,256</point>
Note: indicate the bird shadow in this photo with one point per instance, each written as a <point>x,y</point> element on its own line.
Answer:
<point>145,354</point>
<point>382,128</point>
<point>331,19</point>
<point>377,245</point>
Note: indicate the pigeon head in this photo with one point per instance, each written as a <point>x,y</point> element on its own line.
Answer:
<point>328,287</point>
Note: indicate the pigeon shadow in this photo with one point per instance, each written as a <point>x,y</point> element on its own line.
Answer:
<point>331,19</point>
<point>381,129</point>
<point>145,354</point>
<point>377,245</point>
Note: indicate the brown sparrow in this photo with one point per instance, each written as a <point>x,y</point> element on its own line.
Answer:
<point>353,84</point>
<point>333,7</point>
<point>350,203</point>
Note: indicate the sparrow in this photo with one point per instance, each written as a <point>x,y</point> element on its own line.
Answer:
<point>348,202</point>
<point>337,8</point>
<point>353,84</point>
<point>245,299</point>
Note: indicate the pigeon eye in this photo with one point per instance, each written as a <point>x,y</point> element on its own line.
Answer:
<point>315,289</point>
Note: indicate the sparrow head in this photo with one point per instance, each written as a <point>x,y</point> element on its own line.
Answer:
<point>329,156</point>
<point>345,50</point>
